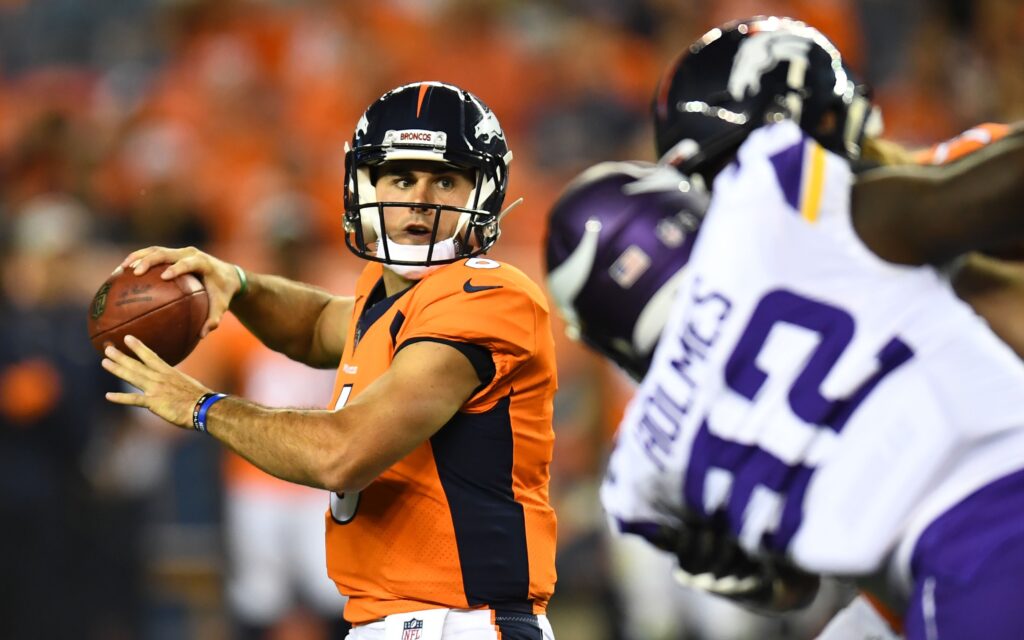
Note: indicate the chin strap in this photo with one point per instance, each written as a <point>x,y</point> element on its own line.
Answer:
<point>444,251</point>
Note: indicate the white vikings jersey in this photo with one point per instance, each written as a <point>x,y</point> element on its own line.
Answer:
<point>829,403</point>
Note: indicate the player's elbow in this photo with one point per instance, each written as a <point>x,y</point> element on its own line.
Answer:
<point>348,482</point>
<point>357,447</point>
<point>347,473</point>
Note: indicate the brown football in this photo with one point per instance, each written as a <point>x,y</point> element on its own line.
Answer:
<point>166,315</point>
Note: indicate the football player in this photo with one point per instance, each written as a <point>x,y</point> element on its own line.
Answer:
<point>437,443</point>
<point>648,215</point>
<point>818,392</point>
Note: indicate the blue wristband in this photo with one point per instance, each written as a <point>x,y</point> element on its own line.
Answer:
<point>203,405</point>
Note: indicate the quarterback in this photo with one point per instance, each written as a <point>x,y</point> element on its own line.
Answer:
<point>437,443</point>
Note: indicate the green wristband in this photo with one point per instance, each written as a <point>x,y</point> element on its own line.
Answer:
<point>242,279</point>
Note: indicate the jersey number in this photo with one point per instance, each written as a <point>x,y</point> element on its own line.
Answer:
<point>834,328</point>
<point>344,505</point>
<point>764,495</point>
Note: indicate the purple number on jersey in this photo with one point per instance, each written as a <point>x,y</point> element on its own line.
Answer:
<point>751,467</point>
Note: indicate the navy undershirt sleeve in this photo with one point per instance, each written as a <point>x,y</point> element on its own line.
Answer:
<point>478,356</point>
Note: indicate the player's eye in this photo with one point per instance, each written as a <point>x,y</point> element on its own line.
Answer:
<point>446,182</point>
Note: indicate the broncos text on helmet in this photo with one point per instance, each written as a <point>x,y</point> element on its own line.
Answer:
<point>617,241</point>
<point>745,74</point>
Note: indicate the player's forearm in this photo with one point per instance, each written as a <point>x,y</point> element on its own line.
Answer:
<point>919,215</point>
<point>302,446</point>
<point>993,181</point>
<point>995,289</point>
<point>283,314</point>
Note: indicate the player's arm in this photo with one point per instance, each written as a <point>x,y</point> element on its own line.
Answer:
<point>342,450</point>
<point>995,289</point>
<point>931,214</point>
<point>301,321</point>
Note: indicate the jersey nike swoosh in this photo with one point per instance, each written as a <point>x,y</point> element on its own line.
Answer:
<point>471,288</point>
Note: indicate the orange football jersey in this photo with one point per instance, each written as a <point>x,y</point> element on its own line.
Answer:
<point>464,520</point>
<point>965,143</point>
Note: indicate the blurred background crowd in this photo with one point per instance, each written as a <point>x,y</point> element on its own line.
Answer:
<point>221,124</point>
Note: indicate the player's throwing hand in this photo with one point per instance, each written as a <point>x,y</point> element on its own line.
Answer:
<point>167,392</point>
<point>223,280</point>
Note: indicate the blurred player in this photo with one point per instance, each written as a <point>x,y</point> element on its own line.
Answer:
<point>439,441</point>
<point>819,394</point>
<point>274,530</point>
<point>645,220</point>
<point>647,216</point>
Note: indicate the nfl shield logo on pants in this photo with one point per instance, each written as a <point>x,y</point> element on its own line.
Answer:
<point>412,629</point>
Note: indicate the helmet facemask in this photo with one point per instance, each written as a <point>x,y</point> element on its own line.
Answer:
<point>473,230</point>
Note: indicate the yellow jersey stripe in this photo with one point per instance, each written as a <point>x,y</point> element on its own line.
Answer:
<point>814,184</point>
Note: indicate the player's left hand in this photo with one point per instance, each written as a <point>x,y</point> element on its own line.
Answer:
<point>711,559</point>
<point>165,391</point>
<point>773,587</point>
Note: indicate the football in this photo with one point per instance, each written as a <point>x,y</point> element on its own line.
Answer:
<point>166,315</point>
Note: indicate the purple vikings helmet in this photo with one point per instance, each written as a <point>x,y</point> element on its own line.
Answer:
<point>618,239</point>
<point>753,72</point>
<point>435,122</point>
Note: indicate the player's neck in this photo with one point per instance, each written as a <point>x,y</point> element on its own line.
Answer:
<point>394,283</point>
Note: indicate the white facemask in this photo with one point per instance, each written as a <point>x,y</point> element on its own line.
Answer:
<point>444,250</point>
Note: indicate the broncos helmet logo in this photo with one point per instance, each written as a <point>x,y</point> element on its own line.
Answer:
<point>761,53</point>
<point>488,128</point>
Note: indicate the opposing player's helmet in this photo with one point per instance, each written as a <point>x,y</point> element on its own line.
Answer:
<point>617,241</point>
<point>752,72</point>
<point>435,122</point>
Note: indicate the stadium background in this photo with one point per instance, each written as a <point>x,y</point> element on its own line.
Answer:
<point>221,123</point>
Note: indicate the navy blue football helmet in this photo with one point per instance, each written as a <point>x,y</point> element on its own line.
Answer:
<point>753,72</point>
<point>436,122</point>
<point>617,241</point>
